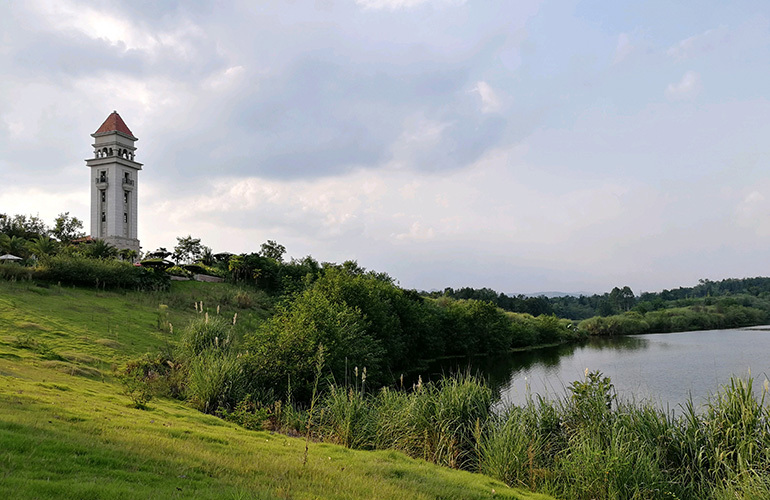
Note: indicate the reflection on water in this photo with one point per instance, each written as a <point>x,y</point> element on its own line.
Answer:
<point>665,369</point>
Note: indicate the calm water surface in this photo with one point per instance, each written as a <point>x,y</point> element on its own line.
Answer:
<point>663,368</point>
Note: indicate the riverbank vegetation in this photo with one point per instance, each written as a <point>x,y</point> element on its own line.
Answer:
<point>590,444</point>
<point>61,348</point>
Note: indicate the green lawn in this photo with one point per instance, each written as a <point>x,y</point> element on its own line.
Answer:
<point>67,431</point>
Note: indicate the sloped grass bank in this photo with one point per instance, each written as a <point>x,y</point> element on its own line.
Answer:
<point>64,436</point>
<point>67,431</point>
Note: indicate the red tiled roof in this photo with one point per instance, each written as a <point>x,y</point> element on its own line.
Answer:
<point>112,123</point>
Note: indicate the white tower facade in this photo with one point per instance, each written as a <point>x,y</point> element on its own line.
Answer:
<point>114,184</point>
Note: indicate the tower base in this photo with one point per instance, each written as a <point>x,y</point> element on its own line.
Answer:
<point>123,243</point>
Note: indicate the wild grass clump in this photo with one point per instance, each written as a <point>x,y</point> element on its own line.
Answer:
<point>216,379</point>
<point>215,372</point>
<point>347,418</point>
<point>436,422</point>
<point>204,333</point>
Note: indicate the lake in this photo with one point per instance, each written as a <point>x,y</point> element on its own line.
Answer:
<point>665,369</point>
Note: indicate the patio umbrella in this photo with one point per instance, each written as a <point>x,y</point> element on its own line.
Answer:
<point>10,257</point>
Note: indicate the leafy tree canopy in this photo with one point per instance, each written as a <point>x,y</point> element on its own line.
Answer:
<point>272,250</point>
<point>67,228</point>
<point>189,250</point>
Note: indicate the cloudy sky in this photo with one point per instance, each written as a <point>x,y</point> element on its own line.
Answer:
<point>520,145</point>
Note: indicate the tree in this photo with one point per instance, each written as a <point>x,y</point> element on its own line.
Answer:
<point>189,250</point>
<point>272,250</point>
<point>207,258</point>
<point>67,228</point>
<point>22,226</point>
<point>622,299</point>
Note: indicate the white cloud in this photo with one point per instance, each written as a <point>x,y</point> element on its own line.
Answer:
<point>417,232</point>
<point>225,79</point>
<point>687,88</point>
<point>122,32</point>
<point>752,212</point>
<point>490,102</point>
<point>699,44</point>
<point>97,24</point>
<point>623,48</point>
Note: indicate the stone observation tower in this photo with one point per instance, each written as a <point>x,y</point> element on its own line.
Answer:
<point>114,184</point>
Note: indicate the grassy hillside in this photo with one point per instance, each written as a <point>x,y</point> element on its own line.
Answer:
<point>67,431</point>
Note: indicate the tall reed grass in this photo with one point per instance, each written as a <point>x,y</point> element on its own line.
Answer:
<point>588,444</point>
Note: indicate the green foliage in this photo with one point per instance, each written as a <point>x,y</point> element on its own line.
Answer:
<point>136,387</point>
<point>15,272</point>
<point>205,333</point>
<point>247,414</point>
<point>100,249</point>
<point>347,418</point>
<point>216,380</point>
<point>172,270</point>
<point>42,246</point>
<point>724,313</point>
<point>67,228</point>
<point>22,226</point>
<point>440,422</point>
<point>363,319</point>
<point>189,250</point>
<point>272,250</point>
<point>282,350</point>
<point>83,271</point>
<point>14,245</point>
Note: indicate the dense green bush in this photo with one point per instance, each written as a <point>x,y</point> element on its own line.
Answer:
<point>100,273</point>
<point>726,313</point>
<point>363,319</point>
<point>15,272</point>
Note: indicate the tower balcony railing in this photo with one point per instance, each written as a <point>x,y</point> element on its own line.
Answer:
<point>128,182</point>
<point>101,181</point>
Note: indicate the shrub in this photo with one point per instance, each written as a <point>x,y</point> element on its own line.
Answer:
<point>15,272</point>
<point>247,414</point>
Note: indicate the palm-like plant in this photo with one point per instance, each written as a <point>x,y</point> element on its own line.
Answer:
<point>42,246</point>
<point>100,249</point>
<point>128,254</point>
<point>14,245</point>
